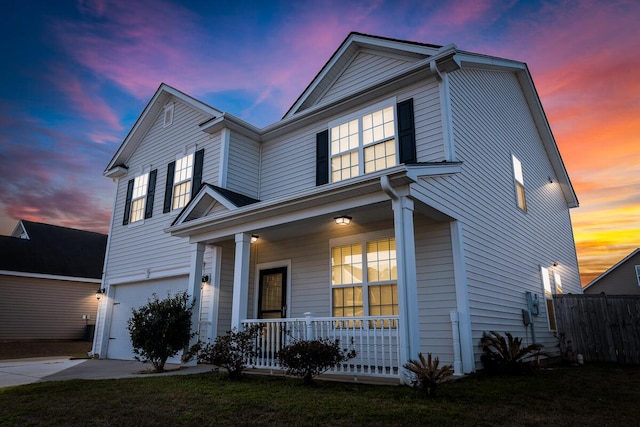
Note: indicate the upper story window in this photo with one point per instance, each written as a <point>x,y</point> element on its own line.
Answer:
<point>184,176</point>
<point>521,200</point>
<point>138,198</point>
<point>182,181</point>
<point>638,274</point>
<point>363,144</point>
<point>168,115</point>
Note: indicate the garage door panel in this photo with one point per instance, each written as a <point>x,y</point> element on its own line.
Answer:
<point>126,297</point>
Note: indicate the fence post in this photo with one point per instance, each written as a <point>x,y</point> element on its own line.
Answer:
<point>307,319</point>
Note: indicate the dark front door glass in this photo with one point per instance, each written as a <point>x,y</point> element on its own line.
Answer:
<point>272,295</point>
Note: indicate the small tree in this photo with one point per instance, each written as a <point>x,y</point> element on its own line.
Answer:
<point>161,328</point>
<point>309,358</point>
<point>231,351</point>
<point>427,374</point>
<point>507,355</point>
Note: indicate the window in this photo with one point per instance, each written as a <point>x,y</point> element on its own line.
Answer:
<point>521,200</point>
<point>138,204</point>
<point>138,198</point>
<point>548,297</point>
<point>184,177</point>
<point>168,115</point>
<point>182,181</point>
<point>364,279</point>
<point>638,274</point>
<point>363,144</point>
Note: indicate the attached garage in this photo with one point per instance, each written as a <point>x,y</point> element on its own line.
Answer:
<point>128,296</point>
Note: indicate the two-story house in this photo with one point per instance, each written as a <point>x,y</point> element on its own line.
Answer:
<point>412,198</point>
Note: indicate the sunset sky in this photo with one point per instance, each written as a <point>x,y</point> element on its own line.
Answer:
<point>76,75</point>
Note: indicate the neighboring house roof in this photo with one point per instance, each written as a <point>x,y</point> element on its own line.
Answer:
<point>46,249</point>
<point>611,269</point>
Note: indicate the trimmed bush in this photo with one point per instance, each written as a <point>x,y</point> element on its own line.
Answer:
<point>427,375</point>
<point>309,358</point>
<point>161,328</point>
<point>231,351</point>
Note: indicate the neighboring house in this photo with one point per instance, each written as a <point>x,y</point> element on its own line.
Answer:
<point>621,279</point>
<point>48,281</point>
<point>407,202</point>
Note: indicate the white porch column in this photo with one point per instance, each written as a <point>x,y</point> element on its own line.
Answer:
<point>193,289</point>
<point>214,292</point>
<point>240,280</point>
<point>407,286</point>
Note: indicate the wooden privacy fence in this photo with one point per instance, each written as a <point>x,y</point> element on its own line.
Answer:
<point>603,328</point>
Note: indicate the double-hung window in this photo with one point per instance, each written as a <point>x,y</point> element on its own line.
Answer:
<point>521,200</point>
<point>138,198</point>
<point>364,278</point>
<point>184,177</point>
<point>549,290</point>
<point>364,143</point>
<point>182,181</point>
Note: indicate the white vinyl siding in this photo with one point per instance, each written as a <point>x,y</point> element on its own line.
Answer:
<point>366,68</point>
<point>492,120</point>
<point>160,251</point>
<point>243,171</point>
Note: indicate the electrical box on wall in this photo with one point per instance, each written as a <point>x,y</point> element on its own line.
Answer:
<point>86,316</point>
<point>526,317</point>
<point>533,305</point>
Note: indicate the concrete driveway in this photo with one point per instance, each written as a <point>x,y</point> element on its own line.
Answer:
<point>25,371</point>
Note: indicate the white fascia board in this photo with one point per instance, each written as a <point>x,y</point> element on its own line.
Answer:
<point>49,276</point>
<point>233,123</point>
<point>116,172</point>
<point>148,275</point>
<point>428,170</point>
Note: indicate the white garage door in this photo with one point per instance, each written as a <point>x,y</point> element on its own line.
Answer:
<point>129,296</point>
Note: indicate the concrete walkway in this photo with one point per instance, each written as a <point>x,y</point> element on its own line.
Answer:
<point>25,371</point>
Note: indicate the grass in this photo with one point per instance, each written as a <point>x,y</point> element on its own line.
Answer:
<point>594,395</point>
<point>22,349</point>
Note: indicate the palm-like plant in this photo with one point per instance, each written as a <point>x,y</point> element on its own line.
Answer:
<point>507,355</point>
<point>427,374</point>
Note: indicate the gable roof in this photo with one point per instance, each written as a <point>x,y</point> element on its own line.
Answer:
<point>343,56</point>
<point>52,250</point>
<point>117,166</point>
<point>612,268</point>
<point>206,199</point>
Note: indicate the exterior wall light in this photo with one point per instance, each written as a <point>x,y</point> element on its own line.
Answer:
<point>343,220</point>
<point>205,278</point>
<point>99,293</point>
<point>254,238</point>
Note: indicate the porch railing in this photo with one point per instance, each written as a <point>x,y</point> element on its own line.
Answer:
<point>374,338</point>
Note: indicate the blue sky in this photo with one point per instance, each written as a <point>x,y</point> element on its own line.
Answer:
<point>76,75</point>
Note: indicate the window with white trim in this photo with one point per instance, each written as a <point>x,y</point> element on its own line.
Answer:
<point>182,181</point>
<point>521,200</point>
<point>139,197</point>
<point>363,143</point>
<point>548,297</point>
<point>364,278</point>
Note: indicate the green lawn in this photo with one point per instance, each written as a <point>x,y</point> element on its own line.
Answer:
<point>596,395</point>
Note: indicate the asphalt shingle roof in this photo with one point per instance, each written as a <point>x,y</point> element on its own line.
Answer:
<point>54,250</point>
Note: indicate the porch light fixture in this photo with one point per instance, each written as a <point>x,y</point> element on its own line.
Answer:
<point>343,220</point>
<point>205,278</point>
<point>555,263</point>
<point>99,293</point>
<point>254,238</point>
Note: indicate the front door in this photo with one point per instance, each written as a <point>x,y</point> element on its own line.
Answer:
<point>272,293</point>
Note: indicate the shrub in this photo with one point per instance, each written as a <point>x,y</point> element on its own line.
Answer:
<point>427,374</point>
<point>507,356</point>
<point>309,358</point>
<point>231,351</point>
<point>161,328</point>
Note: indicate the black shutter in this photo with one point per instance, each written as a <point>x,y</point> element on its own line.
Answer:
<point>127,203</point>
<point>322,157</point>
<point>151,192</point>
<point>197,172</point>
<point>406,132</point>
<point>168,190</point>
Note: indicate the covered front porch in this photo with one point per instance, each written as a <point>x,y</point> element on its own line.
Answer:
<point>385,285</point>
